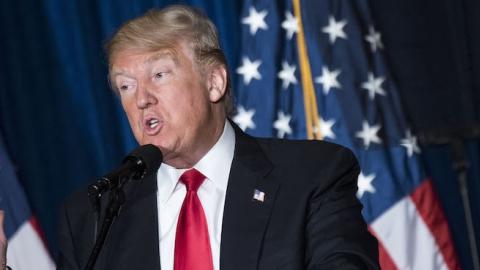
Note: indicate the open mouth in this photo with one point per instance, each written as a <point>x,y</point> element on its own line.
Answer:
<point>152,126</point>
<point>152,123</point>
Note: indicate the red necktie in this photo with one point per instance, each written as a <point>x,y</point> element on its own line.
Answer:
<point>192,243</point>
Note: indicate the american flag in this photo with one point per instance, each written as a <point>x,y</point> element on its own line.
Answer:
<point>315,69</point>
<point>258,195</point>
<point>26,250</point>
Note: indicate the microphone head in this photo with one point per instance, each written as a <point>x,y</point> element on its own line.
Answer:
<point>148,157</point>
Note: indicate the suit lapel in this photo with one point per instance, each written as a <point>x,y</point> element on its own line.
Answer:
<point>134,236</point>
<point>245,219</point>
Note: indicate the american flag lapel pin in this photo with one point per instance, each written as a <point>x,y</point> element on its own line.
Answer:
<point>258,195</point>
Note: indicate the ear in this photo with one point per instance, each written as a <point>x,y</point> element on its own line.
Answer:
<point>217,83</point>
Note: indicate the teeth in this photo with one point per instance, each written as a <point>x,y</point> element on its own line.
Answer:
<point>153,123</point>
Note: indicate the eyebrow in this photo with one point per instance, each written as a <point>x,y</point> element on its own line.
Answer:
<point>120,73</point>
<point>162,55</point>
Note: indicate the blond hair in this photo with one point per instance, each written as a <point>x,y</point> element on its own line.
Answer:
<point>162,29</point>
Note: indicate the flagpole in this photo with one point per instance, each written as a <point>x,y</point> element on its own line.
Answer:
<point>310,99</point>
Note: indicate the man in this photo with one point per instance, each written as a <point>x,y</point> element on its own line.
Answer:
<point>254,203</point>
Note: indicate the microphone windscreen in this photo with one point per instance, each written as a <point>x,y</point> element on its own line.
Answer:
<point>150,156</point>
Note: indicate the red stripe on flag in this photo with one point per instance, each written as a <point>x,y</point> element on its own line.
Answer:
<point>34,222</point>
<point>386,262</point>
<point>428,205</point>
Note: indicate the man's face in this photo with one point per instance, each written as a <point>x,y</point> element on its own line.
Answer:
<point>169,102</point>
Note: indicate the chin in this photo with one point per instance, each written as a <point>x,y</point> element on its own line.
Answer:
<point>161,147</point>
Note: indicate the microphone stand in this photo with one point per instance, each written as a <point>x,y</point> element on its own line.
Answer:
<point>461,166</point>
<point>456,138</point>
<point>95,201</point>
<point>115,202</point>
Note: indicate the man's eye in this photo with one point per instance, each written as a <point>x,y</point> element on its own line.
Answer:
<point>160,75</point>
<point>124,87</point>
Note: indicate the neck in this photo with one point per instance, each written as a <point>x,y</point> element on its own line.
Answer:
<point>201,148</point>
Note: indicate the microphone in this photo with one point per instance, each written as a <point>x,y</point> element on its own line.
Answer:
<point>141,162</point>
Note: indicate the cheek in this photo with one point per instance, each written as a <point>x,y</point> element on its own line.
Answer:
<point>130,110</point>
<point>128,104</point>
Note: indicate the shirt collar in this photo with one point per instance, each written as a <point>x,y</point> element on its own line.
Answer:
<point>215,165</point>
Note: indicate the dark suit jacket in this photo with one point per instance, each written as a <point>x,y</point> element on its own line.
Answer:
<point>310,218</point>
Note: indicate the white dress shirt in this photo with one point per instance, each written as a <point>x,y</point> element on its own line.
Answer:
<point>215,165</point>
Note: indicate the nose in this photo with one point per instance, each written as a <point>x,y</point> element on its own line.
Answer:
<point>144,97</point>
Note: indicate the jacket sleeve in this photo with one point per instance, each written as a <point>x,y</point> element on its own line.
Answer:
<point>336,233</point>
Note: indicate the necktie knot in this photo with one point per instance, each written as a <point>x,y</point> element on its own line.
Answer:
<point>192,179</point>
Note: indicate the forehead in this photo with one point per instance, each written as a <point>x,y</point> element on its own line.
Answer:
<point>130,60</point>
<point>181,53</point>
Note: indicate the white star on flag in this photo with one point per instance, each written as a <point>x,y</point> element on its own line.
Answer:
<point>334,29</point>
<point>243,118</point>
<point>374,86</point>
<point>368,134</point>
<point>326,128</point>
<point>256,20</point>
<point>328,79</point>
<point>374,38</point>
<point>249,70</point>
<point>281,124</point>
<point>290,24</point>
<point>410,142</point>
<point>365,184</point>
<point>287,74</point>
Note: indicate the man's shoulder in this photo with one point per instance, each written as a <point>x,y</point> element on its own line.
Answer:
<point>308,161</point>
<point>77,202</point>
<point>313,150</point>
<point>286,149</point>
